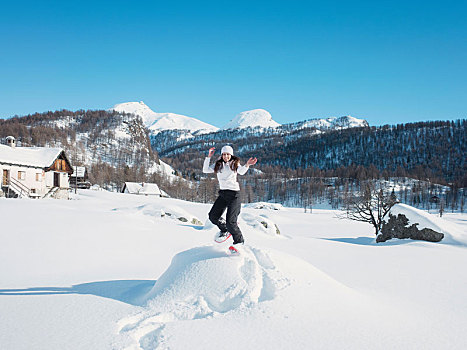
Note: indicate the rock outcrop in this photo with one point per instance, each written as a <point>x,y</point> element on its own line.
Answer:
<point>398,227</point>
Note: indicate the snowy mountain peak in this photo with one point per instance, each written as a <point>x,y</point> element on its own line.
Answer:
<point>137,108</point>
<point>252,119</point>
<point>350,122</point>
<point>157,122</point>
<point>334,123</point>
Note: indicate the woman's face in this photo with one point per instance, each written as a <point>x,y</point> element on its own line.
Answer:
<point>226,157</point>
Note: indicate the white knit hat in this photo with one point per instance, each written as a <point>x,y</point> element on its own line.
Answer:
<point>227,149</point>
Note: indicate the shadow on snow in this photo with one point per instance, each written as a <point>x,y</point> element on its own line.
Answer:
<point>126,291</point>
<point>369,241</point>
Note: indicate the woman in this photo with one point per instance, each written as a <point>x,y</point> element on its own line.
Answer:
<point>226,168</point>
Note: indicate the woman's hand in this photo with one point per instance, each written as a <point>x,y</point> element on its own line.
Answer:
<point>251,161</point>
<point>211,152</point>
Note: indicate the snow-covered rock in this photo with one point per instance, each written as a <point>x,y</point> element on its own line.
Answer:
<point>252,119</point>
<point>261,223</point>
<point>424,220</point>
<point>400,227</point>
<point>161,209</point>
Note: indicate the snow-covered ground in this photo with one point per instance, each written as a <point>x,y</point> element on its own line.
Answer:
<point>117,271</point>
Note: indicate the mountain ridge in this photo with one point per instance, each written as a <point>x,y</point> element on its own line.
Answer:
<point>157,122</point>
<point>255,118</point>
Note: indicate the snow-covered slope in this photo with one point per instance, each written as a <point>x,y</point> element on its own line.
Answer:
<point>157,122</point>
<point>251,119</point>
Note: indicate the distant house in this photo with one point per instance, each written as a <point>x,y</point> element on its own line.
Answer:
<point>79,178</point>
<point>143,188</point>
<point>34,172</point>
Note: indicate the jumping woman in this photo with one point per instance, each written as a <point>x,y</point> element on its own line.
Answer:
<point>226,168</point>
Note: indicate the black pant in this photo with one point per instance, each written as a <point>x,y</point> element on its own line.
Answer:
<point>231,200</point>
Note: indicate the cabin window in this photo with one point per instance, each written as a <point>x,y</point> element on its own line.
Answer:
<point>38,176</point>
<point>33,190</point>
<point>60,164</point>
<point>21,175</point>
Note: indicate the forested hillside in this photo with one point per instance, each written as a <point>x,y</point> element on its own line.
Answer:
<point>430,150</point>
<point>114,146</point>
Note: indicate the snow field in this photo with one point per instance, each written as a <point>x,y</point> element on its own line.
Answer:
<point>109,271</point>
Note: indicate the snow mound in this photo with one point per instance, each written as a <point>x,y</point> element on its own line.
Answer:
<point>96,187</point>
<point>208,280</point>
<point>202,283</point>
<point>264,205</point>
<point>258,223</point>
<point>251,119</point>
<point>261,223</point>
<point>162,210</point>
<point>453,233</point>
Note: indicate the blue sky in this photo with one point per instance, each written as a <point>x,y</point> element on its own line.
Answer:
<point>385,61</point>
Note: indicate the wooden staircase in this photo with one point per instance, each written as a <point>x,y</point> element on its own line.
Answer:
<point>15,189</point>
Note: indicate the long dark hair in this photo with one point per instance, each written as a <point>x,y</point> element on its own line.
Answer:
<point>234,162</point>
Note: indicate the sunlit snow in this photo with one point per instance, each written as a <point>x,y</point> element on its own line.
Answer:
<point>119,271</point>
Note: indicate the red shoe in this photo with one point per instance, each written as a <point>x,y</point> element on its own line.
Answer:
<point>233,250</point>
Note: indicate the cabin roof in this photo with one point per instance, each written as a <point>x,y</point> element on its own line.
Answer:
<point>39,157</point>
<point>142,188</point>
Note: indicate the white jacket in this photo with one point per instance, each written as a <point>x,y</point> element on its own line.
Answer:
<point>227,177</point>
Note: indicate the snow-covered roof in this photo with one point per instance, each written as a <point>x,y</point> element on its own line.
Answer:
<point>142,188</point>
<point>40,157</point>
<point>149,188</point>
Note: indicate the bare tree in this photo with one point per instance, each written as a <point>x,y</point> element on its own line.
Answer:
<point>371,206</point>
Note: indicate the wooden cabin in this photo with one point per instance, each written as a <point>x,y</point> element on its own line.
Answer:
<point>79,178</point>
<point>34,172</point>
